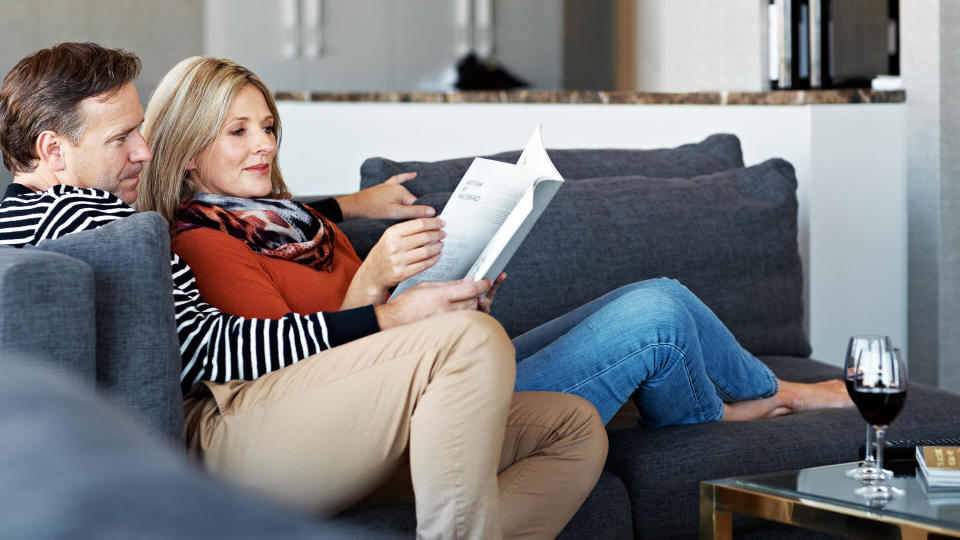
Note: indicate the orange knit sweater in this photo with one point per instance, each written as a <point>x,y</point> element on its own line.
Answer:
<point>235,279</point>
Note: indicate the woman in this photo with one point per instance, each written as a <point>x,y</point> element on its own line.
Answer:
<point>381,412</point>
<point>217,193</point>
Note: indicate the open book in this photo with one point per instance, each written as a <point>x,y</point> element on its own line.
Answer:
<point>490,213</point>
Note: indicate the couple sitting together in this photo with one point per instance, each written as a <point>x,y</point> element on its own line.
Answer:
<point>299,380</point>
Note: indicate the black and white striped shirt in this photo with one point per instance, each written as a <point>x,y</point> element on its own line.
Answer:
<point>214,346</point>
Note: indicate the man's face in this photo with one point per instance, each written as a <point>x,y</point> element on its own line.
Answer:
<point>111,151</point>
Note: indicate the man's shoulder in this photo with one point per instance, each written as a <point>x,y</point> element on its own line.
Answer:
<point>19,195</point>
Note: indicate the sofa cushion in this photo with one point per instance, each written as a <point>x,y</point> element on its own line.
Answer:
<point>730,237</point>
<point>671,461</point>
<point>715,153</point>
<point>47,309</point>
<point>137,350</point>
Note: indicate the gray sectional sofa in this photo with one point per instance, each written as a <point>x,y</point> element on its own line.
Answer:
<point>96,307</point>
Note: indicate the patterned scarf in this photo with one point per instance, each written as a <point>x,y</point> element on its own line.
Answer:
<point>279,228</point>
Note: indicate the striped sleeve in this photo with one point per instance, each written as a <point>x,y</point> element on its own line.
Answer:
<point>219,347</point>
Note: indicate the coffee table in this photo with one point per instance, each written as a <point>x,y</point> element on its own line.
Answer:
<point>822,499</point>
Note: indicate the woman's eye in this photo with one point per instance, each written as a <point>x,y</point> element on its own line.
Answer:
<point>238,131</point>
<point>269,129</point>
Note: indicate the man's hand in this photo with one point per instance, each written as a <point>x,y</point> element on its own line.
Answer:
<point>405,249</point>
<point>389,200</point>
<point>430,298</point>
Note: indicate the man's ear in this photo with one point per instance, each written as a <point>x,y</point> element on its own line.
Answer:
<point>49,149</point>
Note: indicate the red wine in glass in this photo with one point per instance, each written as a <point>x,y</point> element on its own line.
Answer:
<point>879,392</point>
<point>878,406</point>
<point>865,470</point>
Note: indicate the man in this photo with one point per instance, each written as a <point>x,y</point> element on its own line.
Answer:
<point>275,404</point>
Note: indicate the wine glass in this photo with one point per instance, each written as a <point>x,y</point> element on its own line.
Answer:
<point>875,345</point>
<point>879,390</point>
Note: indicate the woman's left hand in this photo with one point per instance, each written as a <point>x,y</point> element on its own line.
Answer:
<point>485,301</point>
<point>389,200</point>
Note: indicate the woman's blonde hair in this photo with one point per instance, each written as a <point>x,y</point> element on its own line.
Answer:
<point>184,115</point>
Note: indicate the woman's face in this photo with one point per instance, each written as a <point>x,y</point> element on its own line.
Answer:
<point>238,161</point>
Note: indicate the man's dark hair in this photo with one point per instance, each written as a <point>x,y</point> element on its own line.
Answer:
<point>44,90</point>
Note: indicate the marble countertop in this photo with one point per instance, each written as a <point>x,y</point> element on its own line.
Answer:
<point>777,97</point>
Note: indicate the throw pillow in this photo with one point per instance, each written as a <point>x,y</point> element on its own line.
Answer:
<point>730,237</point>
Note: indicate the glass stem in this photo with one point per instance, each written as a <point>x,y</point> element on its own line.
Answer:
<point>878,442</point>
<point>869,454</point>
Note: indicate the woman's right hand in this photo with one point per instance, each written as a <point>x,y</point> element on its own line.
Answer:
<point>405,249</point>
<point>431,298</point>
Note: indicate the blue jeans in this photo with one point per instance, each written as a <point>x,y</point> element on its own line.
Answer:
<point>647,340</point>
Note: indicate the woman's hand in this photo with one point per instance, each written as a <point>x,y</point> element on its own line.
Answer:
<point>389,200</point>
<point>430,298</point>
<point>485,301</point>
<point>405,249</point>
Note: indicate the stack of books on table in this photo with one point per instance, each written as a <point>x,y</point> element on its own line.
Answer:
<point>939,473</point>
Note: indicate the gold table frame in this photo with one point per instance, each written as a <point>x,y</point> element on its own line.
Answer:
<point>719,499</point>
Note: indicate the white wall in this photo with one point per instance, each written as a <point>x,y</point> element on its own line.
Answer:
<point>850,163</point>
<point>701,45</point>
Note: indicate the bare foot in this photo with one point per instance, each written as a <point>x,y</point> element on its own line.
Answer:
<point>822,395</point>
<point>784,402</point>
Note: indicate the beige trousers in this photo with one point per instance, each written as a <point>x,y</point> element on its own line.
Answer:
<point>435,396</point>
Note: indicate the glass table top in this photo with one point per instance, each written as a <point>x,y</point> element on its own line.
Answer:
<point>829,486</point>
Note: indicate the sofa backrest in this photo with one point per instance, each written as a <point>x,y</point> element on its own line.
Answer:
<point>730,235</point>
<point>136,350</point>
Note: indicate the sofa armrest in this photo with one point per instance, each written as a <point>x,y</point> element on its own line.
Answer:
<point>47,310</point>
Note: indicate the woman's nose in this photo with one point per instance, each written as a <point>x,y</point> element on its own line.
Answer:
<point>265,144</point>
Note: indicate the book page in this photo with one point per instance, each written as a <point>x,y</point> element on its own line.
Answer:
<point>535,156</point>
<point>514,230</point>
<point>482,201</point>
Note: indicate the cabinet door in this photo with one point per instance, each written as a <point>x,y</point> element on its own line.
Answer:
<point>528,40</point>
<point>346,44</point>
<point>423,41</point>
<point>262,35</point>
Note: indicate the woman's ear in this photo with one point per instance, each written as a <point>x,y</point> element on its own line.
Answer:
<point>49,150</point>
<point>191,165</point>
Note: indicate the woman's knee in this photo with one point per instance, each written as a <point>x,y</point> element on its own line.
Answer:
<point>584,425</point>
<point>667,286</point>
<point>654,307</point>
<point>480,343</point>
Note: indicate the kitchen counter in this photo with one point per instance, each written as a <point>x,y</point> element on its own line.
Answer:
<point>777,97</point>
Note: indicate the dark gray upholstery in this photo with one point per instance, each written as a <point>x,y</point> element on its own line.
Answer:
<point>715,153</point>
<point>661,468</point>
<point>47,310</point>
<point>138,358</point>
<point>605,515</point>
<point>73,467</point>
